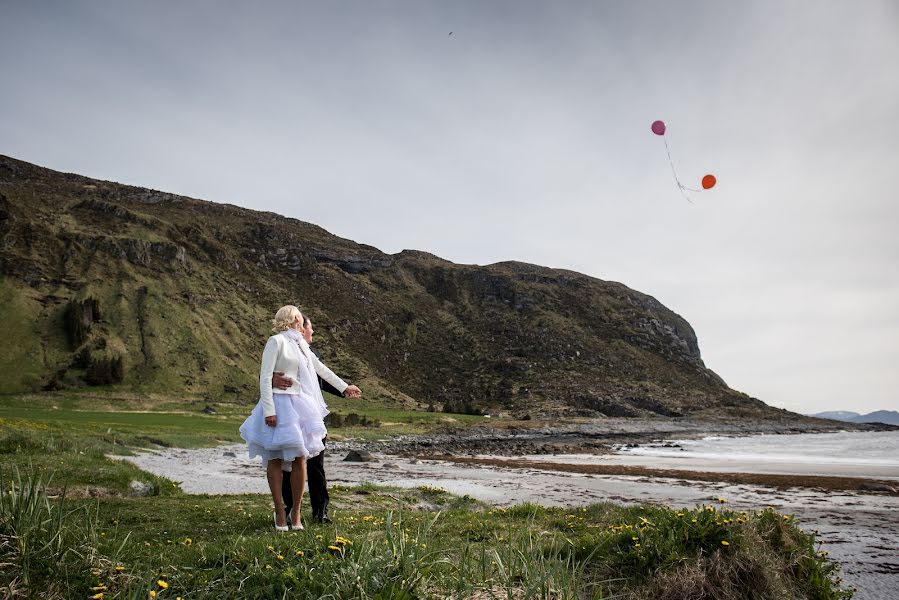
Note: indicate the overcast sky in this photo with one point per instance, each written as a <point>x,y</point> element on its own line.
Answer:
<point>525,136</point>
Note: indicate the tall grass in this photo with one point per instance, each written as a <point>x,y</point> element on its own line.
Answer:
<point>51,547</point>
<point>391,562</point>
<point>525,564</point>
<point>48,549</point>
<point>42,542</point>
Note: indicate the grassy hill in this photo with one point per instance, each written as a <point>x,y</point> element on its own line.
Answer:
<point>136,291</point>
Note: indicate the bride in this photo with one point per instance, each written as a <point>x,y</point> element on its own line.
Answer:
<point>286,428</point>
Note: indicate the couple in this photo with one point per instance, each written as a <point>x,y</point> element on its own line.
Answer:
<point>287,427</point>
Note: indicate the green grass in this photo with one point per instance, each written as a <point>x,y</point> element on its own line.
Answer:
<point>395,421</point>
<point>134,421</point>
<point>57,541</point>
<point>224,547</point>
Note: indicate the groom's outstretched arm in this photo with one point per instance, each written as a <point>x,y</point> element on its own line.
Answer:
<point>337,385</point>
<point>327,387</point>
<point>282,382</point>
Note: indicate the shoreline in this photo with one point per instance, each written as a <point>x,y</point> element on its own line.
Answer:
<point>593,436</point>
<point>778,481</point>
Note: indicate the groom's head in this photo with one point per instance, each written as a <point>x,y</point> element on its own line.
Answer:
<point>307,329</point>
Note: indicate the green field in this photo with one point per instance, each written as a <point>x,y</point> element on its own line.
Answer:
<point>68,529</point>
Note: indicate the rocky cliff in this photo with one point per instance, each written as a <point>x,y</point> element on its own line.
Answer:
<point>133,289</point>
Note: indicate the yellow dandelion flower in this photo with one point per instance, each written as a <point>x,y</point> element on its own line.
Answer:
<point>188,541</point>
<point>162,584</point>
<point>693,520</point>
<point>98,588</point>
<point>636,545</point>
<point>300,553</point>
<point>725,543</point>
<point>152,594</point>
<point>96,596</point>
<point>119,568</point>
<point>333,548</point>
<point>280,557</point>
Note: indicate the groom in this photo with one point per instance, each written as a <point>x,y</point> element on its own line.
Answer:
<point>315,466</point>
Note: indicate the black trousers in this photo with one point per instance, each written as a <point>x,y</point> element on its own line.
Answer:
<point>318,486</point>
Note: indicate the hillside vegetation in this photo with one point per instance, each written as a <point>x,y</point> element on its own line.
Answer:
<point>135,291</point>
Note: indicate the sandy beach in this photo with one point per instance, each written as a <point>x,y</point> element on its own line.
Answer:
<point>860,530</point>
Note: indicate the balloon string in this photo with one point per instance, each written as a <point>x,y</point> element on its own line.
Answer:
<point>683,189</point>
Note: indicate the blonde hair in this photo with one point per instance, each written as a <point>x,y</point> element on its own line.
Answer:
<point>285,318</point>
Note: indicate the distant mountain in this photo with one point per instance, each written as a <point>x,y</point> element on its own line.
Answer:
<point>837,415</point>
<point>890,417</point>
<point>879,416</point>
<point>138,291</point>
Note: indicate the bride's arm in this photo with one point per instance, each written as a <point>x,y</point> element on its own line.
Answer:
<point>269,358</point>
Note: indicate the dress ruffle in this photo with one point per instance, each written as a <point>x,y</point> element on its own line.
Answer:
<point>298,433</point>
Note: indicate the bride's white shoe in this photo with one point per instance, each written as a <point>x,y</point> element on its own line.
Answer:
<point>279,527</point>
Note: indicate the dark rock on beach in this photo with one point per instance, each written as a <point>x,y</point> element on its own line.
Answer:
<point>359,456</point>
<point>877,487</point>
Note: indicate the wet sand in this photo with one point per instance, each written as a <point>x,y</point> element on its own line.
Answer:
<point>886,473</point>
<point>606,465</point>
<point>861,531</point>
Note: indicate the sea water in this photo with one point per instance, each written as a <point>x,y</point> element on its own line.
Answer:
<point>873,454</point>
<point>845,453</point>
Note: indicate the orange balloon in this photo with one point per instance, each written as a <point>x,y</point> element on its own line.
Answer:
<point>708,182</point>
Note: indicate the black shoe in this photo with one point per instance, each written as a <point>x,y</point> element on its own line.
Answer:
<point>322,519</point>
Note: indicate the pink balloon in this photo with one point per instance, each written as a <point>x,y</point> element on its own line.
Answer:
<point>658,127</point>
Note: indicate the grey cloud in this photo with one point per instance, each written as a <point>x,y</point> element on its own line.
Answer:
<point>524,136</point>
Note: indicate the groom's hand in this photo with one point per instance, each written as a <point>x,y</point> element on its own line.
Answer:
<point>280,381</point>
<point>352,391</point>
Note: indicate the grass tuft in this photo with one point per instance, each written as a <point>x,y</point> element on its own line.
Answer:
<point>387,543</point>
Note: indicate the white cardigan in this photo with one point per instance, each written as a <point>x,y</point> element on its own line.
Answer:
<point>282,355</point>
